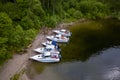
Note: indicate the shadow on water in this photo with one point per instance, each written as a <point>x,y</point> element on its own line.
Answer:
<point>90,38</point>
<point>35,68</point>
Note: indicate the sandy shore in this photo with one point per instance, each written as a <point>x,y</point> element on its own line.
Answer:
<point>19,61</point>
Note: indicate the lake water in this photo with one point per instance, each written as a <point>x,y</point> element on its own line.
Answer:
<point>93,53</point>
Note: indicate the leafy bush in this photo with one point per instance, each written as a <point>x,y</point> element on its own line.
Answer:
<point>93,9</point>
<point>51,21</point>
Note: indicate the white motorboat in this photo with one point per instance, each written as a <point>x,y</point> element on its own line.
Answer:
<point>50,48</point>
<point>46,58</point>
<point>58,38</point>
<point>49,42</point>
<point>63,32</point>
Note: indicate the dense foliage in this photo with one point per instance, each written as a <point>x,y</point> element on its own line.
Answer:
<point>20,20</point>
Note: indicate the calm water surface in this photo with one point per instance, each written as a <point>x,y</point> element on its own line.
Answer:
<point>93,53</point>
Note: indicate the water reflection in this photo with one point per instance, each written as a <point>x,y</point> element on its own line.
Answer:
<point>105,66</point>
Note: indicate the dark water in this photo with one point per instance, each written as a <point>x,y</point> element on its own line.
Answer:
<point>93,53</point>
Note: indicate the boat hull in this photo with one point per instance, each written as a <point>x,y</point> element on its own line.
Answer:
<point>39,58</point>
<point>59,40</point>
<point>62,32</point>
<point>43,50</point>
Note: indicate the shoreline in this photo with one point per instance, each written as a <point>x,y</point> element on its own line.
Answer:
<point>19,62</point>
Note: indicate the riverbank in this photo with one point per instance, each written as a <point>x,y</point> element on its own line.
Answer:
<point>19,61</point>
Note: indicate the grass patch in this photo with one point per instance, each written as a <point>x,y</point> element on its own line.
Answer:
<point>17,75</point>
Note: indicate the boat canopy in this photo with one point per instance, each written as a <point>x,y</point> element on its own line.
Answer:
<point>54,43</point>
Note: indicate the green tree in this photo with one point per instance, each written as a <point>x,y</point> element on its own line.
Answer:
<point>51,21</point>
<point>5,24</point>
<point>5,29</point>
<point>27,23</point>
<point>93,9</point>
<point>36,8</point>
<point>16,36</point>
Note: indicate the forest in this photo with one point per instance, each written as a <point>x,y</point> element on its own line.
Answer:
<point>20,20</point>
